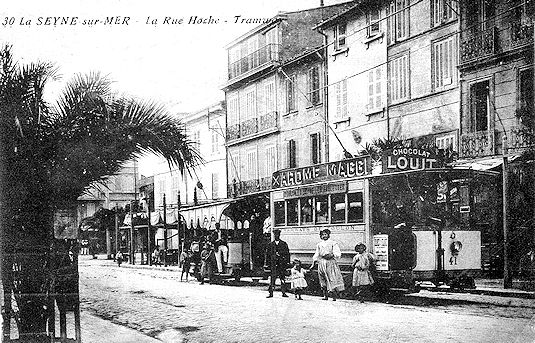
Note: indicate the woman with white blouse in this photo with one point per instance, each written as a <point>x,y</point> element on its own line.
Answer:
<point>327,252</point>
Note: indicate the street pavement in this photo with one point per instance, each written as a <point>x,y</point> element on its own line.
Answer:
<point>153,305</point>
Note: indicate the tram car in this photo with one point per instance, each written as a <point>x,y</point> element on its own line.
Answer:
<point>422,223</point>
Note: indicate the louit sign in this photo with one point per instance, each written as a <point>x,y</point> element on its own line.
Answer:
<point>354,167</point>
<point>404,159</point>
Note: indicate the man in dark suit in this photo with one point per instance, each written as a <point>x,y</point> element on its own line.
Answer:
<point>277,260</point>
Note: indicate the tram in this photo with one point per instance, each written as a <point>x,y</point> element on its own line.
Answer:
<point>422,222</point>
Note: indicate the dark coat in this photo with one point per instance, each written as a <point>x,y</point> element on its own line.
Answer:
<point>278,256</point>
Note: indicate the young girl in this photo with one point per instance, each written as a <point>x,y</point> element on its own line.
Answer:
<point>298,279</point>
<point>362,277</point>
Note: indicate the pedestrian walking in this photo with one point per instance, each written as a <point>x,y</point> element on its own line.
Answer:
<point>327,251</point>
<point>207,263</point>
<point>185,264</point>
<point>277,259</point>
<point>297,278</point>
<point>362,276</point>
<point>156,256</point>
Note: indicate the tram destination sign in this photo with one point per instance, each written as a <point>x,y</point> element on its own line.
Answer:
<point>344,169</point>
<point>404,159</point>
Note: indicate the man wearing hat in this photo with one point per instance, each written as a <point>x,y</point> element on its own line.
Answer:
<point>277,260</point>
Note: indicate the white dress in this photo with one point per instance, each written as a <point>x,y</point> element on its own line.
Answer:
<point>298,279</point>
<point>328,271</point>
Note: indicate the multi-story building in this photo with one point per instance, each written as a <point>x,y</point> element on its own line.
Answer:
<point>356,61</point>
<point>276,114</point>
<point>200,194</point>
<point>393,73</point>
<point>497,107</point>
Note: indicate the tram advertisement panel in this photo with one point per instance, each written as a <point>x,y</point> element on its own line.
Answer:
<point>349,168</point>
<point>380,250</point>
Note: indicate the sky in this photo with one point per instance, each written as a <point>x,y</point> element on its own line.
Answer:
<point>182,66</point>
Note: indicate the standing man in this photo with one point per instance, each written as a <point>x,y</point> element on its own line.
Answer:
<point>277,259</point>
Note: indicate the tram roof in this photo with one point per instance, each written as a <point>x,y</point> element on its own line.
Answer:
<point>454,172</point>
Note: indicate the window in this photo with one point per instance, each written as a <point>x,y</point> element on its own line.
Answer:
<point>292,158</point>
<point>322,209</point>
<point>315,148</point>
<point>197,139</point>
<point>341,99</point>
<point>339,36</point>
<point>444,62</point>
<point>479,105</point>
<point>399,76</point>
<point>338,208</point>
<point>398,20</point>
<point>313,85</point>
<point>355,213</point>
<point>373,19</point>
<point>525,92</point>
<point>234,166</point>
<point>446,141</point>
<point>291,104</point>
<point>269,97</point>
<point>233,109</point>
<point>307,204</point>
<point>215,186</point>
<point>443,11</point>
<point>280,215</point>
<point>215,141</point>
<point>271,160</point>
<point>250,165</point>
<point>234,58</point>
<point>375,89</point>
<point>250,105</point>
<point>293,211</point>
<point>174,189</point>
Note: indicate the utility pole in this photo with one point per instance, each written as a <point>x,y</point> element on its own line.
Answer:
<point>131,248</point>
<point>164,232</point>
<point>507,280</point>
<point>149,260</point>
<point>116,230</point>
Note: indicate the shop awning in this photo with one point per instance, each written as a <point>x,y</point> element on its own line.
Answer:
<point>483,164</point>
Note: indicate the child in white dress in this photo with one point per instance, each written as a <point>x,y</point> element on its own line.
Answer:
<point>298,279</point>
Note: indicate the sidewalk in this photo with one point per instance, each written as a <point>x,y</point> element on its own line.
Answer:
<point>493,287</point>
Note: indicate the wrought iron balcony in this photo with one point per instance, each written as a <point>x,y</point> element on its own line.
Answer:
<point>477,44</point>
<point>250,127</point>
<point>248,187</point>
<point>520,34</point>
<point>520,138</point>
<point>477,144</point>
<point>266,54</point>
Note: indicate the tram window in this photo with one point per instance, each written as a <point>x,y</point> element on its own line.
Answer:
<point>355,212</point>
<point>293,212</point>
<point>338,208</point>
<point>306,210</point>
<point>279,213</point>
<point>322,209</point>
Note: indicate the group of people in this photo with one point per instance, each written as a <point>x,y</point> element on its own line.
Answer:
<point>329,274</point>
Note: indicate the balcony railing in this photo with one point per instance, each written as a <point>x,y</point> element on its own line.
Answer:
<point>266,54</point>
<point>520,34</point>
<point>519,138</point>
<point>249,127</point>
<point>252,126</point>
<point>250,186</point>
<point>477,44</point>
<point>477,144</point>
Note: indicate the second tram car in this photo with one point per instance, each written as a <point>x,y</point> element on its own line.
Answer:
<point>421,222</point>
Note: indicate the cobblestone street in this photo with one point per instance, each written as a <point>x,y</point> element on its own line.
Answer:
<point>157,304</point>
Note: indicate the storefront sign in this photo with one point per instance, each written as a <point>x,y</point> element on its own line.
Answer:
<point>349,168</point>
<point>328,188</point>
<point>404,159</point>
<point>380,250</point>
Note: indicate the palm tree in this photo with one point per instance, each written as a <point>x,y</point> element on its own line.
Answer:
<point>49,154</point>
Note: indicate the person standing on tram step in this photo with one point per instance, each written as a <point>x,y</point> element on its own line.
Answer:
<point>277,259</point>
<point>327,251</point>
<point>362,276</point>
<point>221,248</point>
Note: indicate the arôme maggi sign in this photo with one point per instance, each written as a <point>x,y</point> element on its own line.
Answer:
<point>353,167</point>
<point>404,159</point>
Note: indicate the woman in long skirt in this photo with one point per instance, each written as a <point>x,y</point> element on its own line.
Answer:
<point>327,251</point>
<point>362,276</point>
